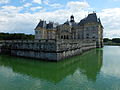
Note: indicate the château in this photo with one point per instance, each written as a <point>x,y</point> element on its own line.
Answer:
<point>55,42</point>
<point>88,28</point>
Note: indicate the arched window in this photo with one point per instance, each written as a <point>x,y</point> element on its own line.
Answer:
<point>67,37</point>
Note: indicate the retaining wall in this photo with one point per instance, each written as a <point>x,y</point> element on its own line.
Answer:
<point>54,50</point>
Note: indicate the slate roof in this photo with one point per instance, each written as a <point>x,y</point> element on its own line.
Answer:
<point>90,18</point>
<point>41,24</point>
<point>82,22</point>
<point>49,25</point>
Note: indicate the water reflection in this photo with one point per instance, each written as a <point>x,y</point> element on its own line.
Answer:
<point>88,64</point>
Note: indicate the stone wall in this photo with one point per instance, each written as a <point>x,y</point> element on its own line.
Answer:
<point>54,50</point>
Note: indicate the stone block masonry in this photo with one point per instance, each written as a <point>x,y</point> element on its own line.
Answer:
<point>53,50</point>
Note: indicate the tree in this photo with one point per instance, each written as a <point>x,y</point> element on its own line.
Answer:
<point>16,36</point>
<point>116,40</point>
<point>106,39</point>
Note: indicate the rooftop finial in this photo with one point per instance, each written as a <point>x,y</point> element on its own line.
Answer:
<point>94,11</point>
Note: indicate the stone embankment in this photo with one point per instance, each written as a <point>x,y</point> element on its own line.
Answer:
<point>54,50</point>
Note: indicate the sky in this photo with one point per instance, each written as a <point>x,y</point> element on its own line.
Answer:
<point>22,16</point>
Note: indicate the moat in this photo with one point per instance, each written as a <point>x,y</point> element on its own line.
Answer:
<point>97,69</point>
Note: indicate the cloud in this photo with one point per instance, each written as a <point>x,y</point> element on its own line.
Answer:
<point>77,5</point>
<point>27,5</point>
<point>46,2</point>
<point>24,23</point>
<point>36,8</point>
<point>37,1</point>
<point>111,22</point>
<point>11,9</point>
<point>54,5</point>
<point>4,1</point>
<point>12,20</point>
<point>111,33</point>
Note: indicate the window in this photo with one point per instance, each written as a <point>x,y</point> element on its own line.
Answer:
<point>87,34</point>
<point>87,28</point>
<point>61,37</point>
<point>93,28</point>
<point>67,37</point>
<point>39,32</point>
<point>36,32</point>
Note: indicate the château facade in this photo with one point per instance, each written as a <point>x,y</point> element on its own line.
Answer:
<point>88,28</point>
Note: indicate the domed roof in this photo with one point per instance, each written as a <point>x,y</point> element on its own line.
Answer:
<point>72,16</point>
<point>67,22</point>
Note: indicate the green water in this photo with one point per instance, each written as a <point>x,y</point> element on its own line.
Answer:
<point>98,69</point>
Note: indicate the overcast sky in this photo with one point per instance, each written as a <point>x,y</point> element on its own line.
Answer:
<point>22,16</point>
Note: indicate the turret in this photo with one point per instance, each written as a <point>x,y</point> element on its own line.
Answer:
<point>72,18</point>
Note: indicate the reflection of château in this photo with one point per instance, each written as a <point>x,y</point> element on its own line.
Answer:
<point>88,28</point>
<point>89,65</point>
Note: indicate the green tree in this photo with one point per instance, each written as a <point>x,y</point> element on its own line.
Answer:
<point>16,36</point>
<point>106,40</point>
<point>116,40</point>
